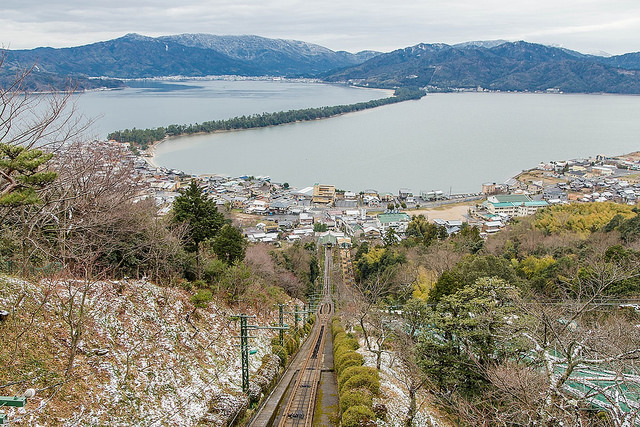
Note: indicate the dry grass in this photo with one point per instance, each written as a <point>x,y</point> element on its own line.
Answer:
<point>164,363</point>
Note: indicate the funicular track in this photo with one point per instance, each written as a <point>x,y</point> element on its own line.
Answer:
<point>297,403</point>
<point>301,402</point>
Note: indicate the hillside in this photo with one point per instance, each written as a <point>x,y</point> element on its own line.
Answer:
<point>517,66</point>
<point>493,65</point>
<point>277,56</point>
<point>192,55</point>
<point>146,355</point>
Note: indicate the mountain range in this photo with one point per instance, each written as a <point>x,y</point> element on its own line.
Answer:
<point>493,65</point>
<point>508,66</point>
<point>191,55</point>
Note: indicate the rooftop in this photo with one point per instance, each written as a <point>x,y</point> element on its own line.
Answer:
<point>393,217</point>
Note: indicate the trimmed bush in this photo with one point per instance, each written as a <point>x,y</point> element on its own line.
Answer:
<point>357,384</point>
<point>338,361</point>
<point>360,397</point>
<point>368,381</point>
<point>357,416</point>
<point>281,352</point>
<point>346,345</point>
<point>340,336</point>
<point>348,363</point>
<point>355,370</point>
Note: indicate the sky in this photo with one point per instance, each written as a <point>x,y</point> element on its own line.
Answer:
<point>588,26</point>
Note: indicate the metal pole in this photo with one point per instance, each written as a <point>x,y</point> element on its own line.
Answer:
<point>296,316</point>
<point>281,323</point>
<point>244,349</point>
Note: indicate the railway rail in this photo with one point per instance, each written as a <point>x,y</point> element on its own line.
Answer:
<point>297,404</point>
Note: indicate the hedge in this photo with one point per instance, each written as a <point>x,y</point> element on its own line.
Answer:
<point>357,415</point>
<point>357,384</point>
<point>352,371</point>
<point>361,397</point>
<point>363,380</point>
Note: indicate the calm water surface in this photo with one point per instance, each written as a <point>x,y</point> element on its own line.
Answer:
<point>156,103</point>
<point>444,141</point>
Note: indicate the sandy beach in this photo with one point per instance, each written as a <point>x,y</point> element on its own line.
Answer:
<point>452,212</point>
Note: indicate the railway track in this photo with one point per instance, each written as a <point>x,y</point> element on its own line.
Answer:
<point>302,398</point>
<point>297,403</point>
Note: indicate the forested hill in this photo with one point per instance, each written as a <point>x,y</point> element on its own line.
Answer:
<point>192,55</point>
<point>517,66</point>
<point>493,65</point>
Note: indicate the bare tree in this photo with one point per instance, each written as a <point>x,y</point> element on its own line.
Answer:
<point>370,314</point>
<point>583,354</point>
<point>32,121</point>
<point>405,368</point>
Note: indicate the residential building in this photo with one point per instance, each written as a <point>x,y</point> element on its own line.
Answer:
<point>324,194</point>
<point>397,221</point>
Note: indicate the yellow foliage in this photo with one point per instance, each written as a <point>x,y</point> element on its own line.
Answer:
<point>531,266</point>
<point>373,256</point>
<point>581,218</point>
<point>424,283</point>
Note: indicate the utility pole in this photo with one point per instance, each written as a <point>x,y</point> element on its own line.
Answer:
<point>244,343</point>
<point>281,323</point>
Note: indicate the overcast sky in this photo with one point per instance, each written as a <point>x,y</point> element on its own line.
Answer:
<point>585,25</point>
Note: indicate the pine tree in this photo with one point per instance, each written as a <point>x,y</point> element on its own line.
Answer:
<point>193,208</point>
<point>21,174</point>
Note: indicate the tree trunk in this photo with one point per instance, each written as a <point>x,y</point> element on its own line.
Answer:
<point>198,261</point>
<point>411,412</point>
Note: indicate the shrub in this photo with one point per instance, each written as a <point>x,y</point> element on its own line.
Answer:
<point>345,345</point>
<point>337,338</point>
<point>338,361</point>
<point>360,397</point>
<point>213,270</point>
<point>281,352</point>
<point>357,416</point>
<point>290,344</point>
<point>368,381</point>
<point>201,298</point>
<point>353,371</point>
<point>357,384</point>
<point>349,362</point>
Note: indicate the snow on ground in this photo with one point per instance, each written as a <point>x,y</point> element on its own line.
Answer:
<point>165,361</point>
<point>395,397</point>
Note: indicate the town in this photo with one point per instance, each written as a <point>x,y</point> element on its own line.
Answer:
<point>273,212</point>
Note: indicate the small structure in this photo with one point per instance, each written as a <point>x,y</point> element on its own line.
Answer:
<point>396,221</point>
<point>513,205</point>
<point>405,193</point>
<point>324,194</point>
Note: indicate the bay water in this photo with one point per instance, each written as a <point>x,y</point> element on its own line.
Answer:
<point>450,142</point>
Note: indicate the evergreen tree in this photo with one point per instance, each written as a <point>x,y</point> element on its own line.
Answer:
<point>193,208</point>
<point>21,174</point>
<point>230,244</point>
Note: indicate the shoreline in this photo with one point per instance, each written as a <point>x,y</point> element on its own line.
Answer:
<point>150,150</point>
